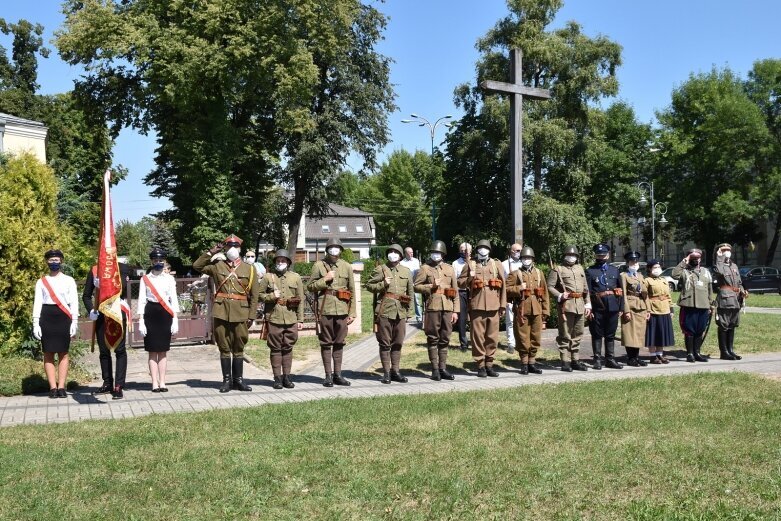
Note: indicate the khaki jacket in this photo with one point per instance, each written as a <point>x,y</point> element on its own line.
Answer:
<point>694,285</point>
<point>727,278</point>
<point>241,280</point>
<point>329,305</point>
<point>659,301</point>
<point>435,298</point>
<point>401,284</point>
<point>570,279</point>
<point>484,298</point>
<point>528,302</point>
<point>290,285</point>
<point>635,292</point>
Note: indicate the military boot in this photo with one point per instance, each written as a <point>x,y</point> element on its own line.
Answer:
<point>286,383</point>
<point>277,382</point>
<point>731,344</point>
<point>524,369</point>
<point>689,341</point>
<point>610,355</point>
<point>386,378</point>
<point>596,347</point>
<point>446,375</point>
<point>225,363</point>
<point>533,368</point>
<point>328,381</point>
<point>238,374</point>
<point>435,375</point>
<point>338,380</point>
<point>697,343</point>
<point>723,345</point>
<point>481,372</point>
<point>398,377</point>
<point>490,371</point>
<point>577,365</point>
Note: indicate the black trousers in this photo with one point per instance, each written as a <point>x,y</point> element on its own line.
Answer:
<point>105,354</point>
<point>463,341</point>
<point>603,325</point>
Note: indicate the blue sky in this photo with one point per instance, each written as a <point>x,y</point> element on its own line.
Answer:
<point>432,43</point>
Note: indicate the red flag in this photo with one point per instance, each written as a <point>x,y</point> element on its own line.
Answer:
<point>110,290</point>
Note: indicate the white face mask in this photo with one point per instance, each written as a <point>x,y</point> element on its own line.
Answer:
<point>632,266</point>
<point>656,272</point>
<point>727,254</point>
<point>232,253</point>
<point>436,256</point>
<point>393,256</point>
<point>281,266</point>
<point>515,255</point>
<point>570,259</point>
<point>482,253</point>
<point>334,250</point>
<point>249,260</point>
<point>526,261</point>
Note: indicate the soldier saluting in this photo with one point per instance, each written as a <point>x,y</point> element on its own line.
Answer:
<point>332,282</point>
<point>235,302</point>
<point>729,300</point>
<point>392,283</point>
<point>694,302</point>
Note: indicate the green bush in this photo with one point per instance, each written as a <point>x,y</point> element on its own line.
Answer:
<point>303,268</point>
<point>368,268</point>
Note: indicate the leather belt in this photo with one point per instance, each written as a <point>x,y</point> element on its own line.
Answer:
<point>606,293</point>
<point>575,295</point>
<point>438,291</point>
<point>661,297</point>
<point>733,288</point>
<point>231,296</point>
<point>394,296</point>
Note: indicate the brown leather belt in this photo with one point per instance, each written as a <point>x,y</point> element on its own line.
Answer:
<point>231,296</point>
<point>438,291</point>
<point>289,301</point>
<point>575,295</point>
<point>661,297</point>
<point>606,293</point>
<point>733,288</point>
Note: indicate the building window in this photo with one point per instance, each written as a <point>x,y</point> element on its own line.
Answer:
<point>342,228</point>
<point>359,228</point>
<point>326,228</point>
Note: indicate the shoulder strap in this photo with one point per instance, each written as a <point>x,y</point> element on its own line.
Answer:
<point>160,300</point>
<point>55,298</point>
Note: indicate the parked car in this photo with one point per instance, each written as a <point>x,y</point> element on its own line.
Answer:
<point>761,279</point>
<point>667,274</point>
<point>622,267</point>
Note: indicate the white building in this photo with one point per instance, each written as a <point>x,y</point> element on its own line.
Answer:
<point>18,135</point>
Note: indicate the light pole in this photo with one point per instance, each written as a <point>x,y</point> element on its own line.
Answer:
<point>655,207</point>
<point>432,128</point>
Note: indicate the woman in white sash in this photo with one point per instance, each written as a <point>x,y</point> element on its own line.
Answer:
<point>55,320</point>
<point>158,307</point>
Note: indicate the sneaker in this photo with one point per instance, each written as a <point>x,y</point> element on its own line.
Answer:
<point>104,389</point>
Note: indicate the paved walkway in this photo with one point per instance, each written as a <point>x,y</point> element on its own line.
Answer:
<point>194,380</point>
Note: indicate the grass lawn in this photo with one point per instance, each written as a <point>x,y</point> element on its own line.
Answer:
<point>26,376</point>
<point>765,300</point>
<point>705,447</point>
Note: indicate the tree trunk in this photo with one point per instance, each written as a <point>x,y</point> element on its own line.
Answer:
<point>537,166</point>
<point>292,233</point>
<point>771,249</point>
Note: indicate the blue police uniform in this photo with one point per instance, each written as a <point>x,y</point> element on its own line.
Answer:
<point>606,305</point>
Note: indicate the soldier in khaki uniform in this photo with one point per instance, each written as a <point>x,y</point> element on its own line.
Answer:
<point>527,289</point>
<point>636,313</point>
<point>487,301</point>
<point>235,302</point>
<point>729,300</point>
<point>392,283</point>
<point>567,284</point>
<point>332,281</point>
<point>282,291</point>
<point>436,281</point>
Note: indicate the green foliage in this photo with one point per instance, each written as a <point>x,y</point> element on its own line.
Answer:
<point>303,268</point>
<point>28,227</point>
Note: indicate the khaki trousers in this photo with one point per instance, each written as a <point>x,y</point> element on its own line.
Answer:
<point>485,336</point>
<point>570,333</point>
<point>438,328</point>
<point>528,337</point>
<point>230,337</point>
<point>281,339</point>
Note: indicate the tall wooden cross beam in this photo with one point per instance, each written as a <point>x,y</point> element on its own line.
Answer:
<point>517,92</point>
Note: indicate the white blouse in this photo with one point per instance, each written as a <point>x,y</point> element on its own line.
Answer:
<point>165,284</point>
<point>65,289</point>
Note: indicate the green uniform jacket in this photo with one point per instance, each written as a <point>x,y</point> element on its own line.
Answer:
<point>330,305</point>
<point>571,279</point>
<point>290,285</point>
<point>424,284</point>
<point>401,284</point>
<point>241,280</point>
<point>531,305</point>
<point>727,277</point>
<point>694,285</point>
<point>485,298</point>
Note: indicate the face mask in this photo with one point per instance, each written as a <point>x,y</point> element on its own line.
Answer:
<point>727,254</point>
<point>54,266</point>
<point>158,266</point>
<point>656,272</point>
<point>436,256</point>
<point>694,262</point>
<point>515,255</point>
<point>232,254</point>
<point>334,251</point>
<point>526,262</point>
<point>601,261</point>
<point>570,259</point>
<point>393,256</point>
<point>249,260</point>
<point>462,255</point>
<point>632,266</point>
<point>281,266</point>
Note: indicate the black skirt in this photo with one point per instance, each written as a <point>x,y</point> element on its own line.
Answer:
<point>659,332</point>
<point>158,328</point>
<point>55,329</point>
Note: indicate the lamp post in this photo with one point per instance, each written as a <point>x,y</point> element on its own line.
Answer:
<point>655,207</point>
<point>432,128</point>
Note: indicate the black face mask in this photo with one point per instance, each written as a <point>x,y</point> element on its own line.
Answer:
<point>601,261</point>
<point>694,263</point>
<point>54,266</point>
<point>158,266</point>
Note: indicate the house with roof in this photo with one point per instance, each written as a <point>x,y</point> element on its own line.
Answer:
<point>18,135</point>
<point>355,228</point>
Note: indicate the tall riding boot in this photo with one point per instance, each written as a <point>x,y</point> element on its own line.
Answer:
<point>225,364</point>
<point>731,344</point>
<point>610,355</point>
<point>698,340</point>
<point>689,341</point>
<point>596,347</point>
<point>238,374</point>
<point>433,357</point>
<point>724,344</point>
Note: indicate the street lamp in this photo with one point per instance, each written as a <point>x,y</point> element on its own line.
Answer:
<point>432,128</point>
<point>655,207</point>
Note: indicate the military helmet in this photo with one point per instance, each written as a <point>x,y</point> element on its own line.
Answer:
<point>484,243</point>
<point>334,241</point>
<point>438,246</point>
<point>632,255</point>
<point>571,250</point>
<point>395,247</point>
<point>526,251</point>
<point>283,253</point>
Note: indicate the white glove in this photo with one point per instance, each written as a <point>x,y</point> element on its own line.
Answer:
<point>175,326</point>
<point>74,328</point>
<point>37,333</point>
<point>141,326</point>
<point>219,257</point>
<point>93,315</point>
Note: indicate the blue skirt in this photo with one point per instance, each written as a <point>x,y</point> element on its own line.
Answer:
<point>659,332</point>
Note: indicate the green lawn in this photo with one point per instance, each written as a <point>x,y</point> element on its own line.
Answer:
<point>26,376</point>
<point>704,447</point>
<point>765,300</point>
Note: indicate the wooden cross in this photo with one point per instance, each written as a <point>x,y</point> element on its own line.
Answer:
<point>517,92</point>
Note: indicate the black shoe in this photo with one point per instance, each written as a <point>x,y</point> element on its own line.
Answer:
<point>104,389</point>
<point>239,385</point>
<point>61,393</point>
<point>286,383</point>
<point>690,358</point>
<point>534,369</point>
<point>611,363</point>
<point>435,375</point>
<point>338,380</point>
<point>446,375</point>
<point>156,390</point>
<point>735,356</point>
<point>731,344</point>
<point>491,372</point>
<point>567,368</point>
<point>463,349</point>
<point>689,342</point>
<point>579,366</point>
<point>328,381</point>
<point>277,382</point>
<point>697,343</point>
<point>386,379</point>
<point>164,389</point>
<point>636,362</point>
<point>524,369</point>
<point>226,385</point>
<point>53,393</point>
<point>597,363</point>
<point>641,362</point>
<point>117,393</point>
<point>481,372</point>
<point>398,377</point>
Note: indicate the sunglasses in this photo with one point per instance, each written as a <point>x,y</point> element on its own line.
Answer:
<point>516,251</point>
